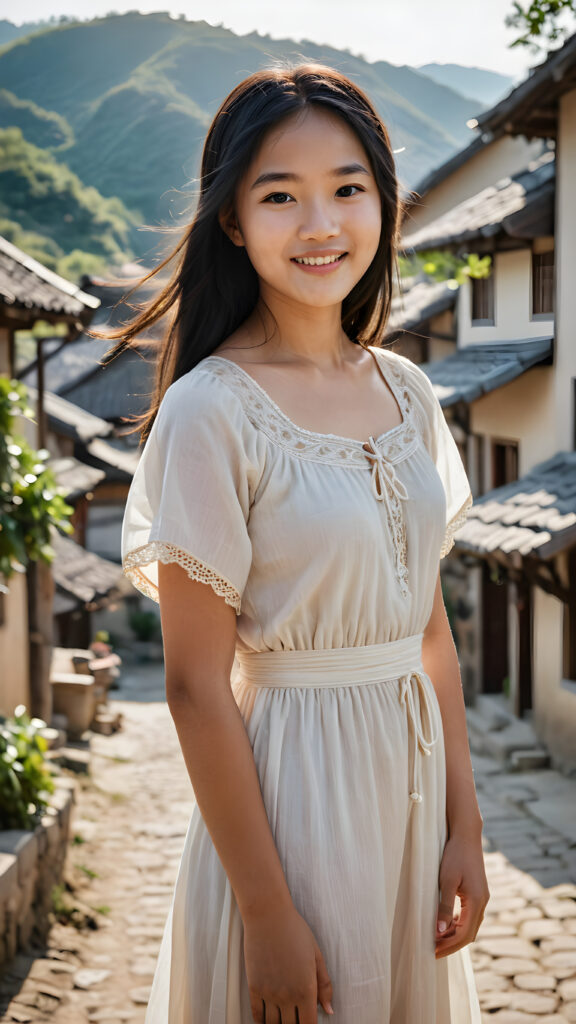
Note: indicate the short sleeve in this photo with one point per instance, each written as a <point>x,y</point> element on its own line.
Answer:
<point>444,451</point>
<point>190,497</point>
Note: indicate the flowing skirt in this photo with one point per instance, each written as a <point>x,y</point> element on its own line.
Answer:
<point>357,812</point>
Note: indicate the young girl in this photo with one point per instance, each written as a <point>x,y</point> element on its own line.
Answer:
<point>296,491</point>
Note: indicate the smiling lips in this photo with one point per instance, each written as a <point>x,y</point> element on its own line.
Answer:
<point>319,263</point>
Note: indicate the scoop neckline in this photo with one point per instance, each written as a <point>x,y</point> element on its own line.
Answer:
<point>404,409</point>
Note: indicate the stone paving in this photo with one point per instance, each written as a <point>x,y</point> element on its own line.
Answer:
<point>525,953</point>
<point>128,831</point>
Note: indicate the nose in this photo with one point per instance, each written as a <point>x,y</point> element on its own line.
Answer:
<point>320,221</point>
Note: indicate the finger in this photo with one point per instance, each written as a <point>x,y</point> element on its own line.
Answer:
<point>463,932</point>
<point>289,1015</point>
<point>324,984</point>
<point>307,1012</point>
<point>445,912</point>
<point>257,1007</point>
<point>272,1015</point>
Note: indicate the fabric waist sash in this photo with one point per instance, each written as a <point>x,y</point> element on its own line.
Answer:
<point>340,666</point>
<point>348,666</point>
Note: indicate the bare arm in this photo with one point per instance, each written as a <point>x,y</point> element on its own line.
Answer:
<point>462,870</point>
<point>199,631</point>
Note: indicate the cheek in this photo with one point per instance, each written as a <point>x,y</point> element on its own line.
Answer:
<point>369,224</point>
<point>265,236</point>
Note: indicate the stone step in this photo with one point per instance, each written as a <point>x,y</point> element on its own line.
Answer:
<point>71,757</point>
<point>106,722</point>
<point>494,709</point>
<point>528,760</point>
<point>518,735</point>
<point>511,742</point>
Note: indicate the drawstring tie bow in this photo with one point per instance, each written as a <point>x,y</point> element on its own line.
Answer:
<point>409,697</point>
<point>383,474</point>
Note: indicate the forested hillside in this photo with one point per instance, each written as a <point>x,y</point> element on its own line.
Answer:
<point>117,109</point>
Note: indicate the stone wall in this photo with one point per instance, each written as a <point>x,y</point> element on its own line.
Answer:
<point>31,863</point>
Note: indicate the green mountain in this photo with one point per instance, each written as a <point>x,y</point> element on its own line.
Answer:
<point>45,209</point>
<point>488,86</point>
<point>123,103</point>
<point>10,32</point>
<point>49,130</point>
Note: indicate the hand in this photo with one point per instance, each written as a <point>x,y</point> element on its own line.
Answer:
<point>461,873</point>
<point>286,972</point>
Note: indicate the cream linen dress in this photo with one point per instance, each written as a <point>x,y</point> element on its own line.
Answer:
<point>328,549</point>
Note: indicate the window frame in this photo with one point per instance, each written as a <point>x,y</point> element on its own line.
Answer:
<point>477,283</point>
<point>538,263</point>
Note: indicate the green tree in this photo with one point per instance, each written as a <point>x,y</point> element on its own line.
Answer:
<point>541,23</point>
<point>31,502</point>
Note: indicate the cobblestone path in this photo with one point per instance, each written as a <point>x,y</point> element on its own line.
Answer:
<point>129,825</point>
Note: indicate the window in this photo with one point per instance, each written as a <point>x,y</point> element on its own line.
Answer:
<point>483,299</point>
<point>504,462</point>
<point>543,283</point>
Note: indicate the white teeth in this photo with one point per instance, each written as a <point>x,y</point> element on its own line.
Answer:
<point>316,261</point>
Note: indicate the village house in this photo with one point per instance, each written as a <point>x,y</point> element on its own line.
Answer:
<point>423,323</point>
<point>109,394</point>
<point>509,391</point>
<point>50,604</point>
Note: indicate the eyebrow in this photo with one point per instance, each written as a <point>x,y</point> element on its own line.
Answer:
<point>270,177</point>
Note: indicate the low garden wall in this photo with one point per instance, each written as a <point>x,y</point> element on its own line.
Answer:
<point>31,863</point>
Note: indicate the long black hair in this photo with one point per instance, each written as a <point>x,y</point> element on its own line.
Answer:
<point>214,286</point>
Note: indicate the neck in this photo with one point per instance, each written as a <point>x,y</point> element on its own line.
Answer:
<point>300,334</point>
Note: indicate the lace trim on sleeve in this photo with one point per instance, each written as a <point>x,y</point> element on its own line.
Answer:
<point>160,551</point>
<point>454,525</point>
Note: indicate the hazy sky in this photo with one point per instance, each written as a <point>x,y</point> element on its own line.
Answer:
<point>411,32</point>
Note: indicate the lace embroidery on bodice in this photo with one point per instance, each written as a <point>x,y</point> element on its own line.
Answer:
<point>379,453</point>
<point>394,445</point>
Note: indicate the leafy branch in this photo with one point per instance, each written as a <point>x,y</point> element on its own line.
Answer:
<point>539,20</point>
<point>25,779</point>
<point>440,265</point>
<point>30,500</point>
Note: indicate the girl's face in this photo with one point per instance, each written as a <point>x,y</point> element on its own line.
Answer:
<point>308,211</point>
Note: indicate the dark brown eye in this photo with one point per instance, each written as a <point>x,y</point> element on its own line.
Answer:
<point>349,190</point>
<point>278,198</point>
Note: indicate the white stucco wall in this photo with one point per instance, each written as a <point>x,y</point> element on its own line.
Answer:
<point>554,700</point>
<point>554,706</point>
<point>566,262</point>
<point>521,411</point>
<point>14,687</point>
<point>512,304</point>
<point>499,159</point>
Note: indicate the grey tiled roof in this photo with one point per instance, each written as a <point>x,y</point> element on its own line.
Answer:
<point>116,456</point>
<point>535,515</point>
<point>27,284</point>
<point>69,363</point>
<point>76,477</point>
<point>76,371</point>
<point>120,389</point>
<point>531,108</point>
<point>69,419</point>
<point>109,392</point>
<point>81,574</point>
<point>423,300</point>
<point>492,211</point>
<point>474,370</point>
